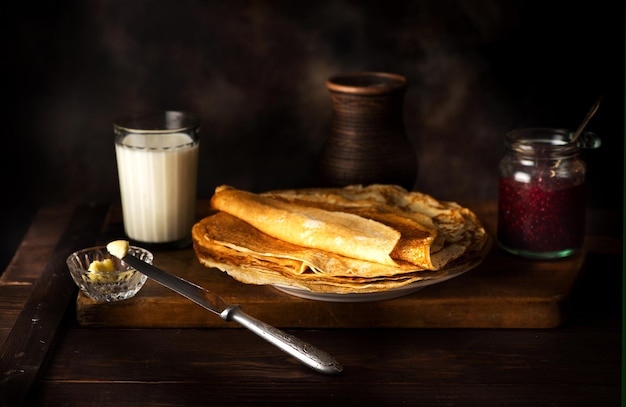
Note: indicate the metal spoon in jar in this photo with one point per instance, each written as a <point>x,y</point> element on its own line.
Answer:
<point>590,114</point>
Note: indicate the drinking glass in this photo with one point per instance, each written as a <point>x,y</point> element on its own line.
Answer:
<point>157,163</point>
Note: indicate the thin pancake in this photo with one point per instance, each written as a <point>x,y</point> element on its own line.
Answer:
<point>442,237</point>
<point>337,232</point>
<point>303,268</point>
<point>416,238</point>
<point>231,237</point>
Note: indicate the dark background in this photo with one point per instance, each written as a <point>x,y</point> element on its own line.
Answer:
<point>254,72</point>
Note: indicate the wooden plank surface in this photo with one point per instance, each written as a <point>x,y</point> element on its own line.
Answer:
<point>503,292</point>
<point>382,367</point>
<point>36,328</point>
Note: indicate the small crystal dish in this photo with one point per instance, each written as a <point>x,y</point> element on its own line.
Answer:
<point>107,286</point>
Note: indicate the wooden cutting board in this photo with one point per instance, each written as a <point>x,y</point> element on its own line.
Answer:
<point>503,292</point>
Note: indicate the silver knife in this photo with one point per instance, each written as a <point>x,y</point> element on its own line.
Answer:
<point>304,352</point>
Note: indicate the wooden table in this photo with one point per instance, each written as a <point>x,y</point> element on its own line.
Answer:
<point>49,359</point>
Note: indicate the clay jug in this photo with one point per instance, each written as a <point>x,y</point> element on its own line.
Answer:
<point>367,142</point>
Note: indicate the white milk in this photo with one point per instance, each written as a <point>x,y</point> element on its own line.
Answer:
<point>157,175</point>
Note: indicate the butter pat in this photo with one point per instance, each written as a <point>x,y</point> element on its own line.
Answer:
<point>102,271</point>
<point>118,248</point>
<point>104,265</point>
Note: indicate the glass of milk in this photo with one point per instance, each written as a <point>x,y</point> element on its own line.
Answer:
<point>157,163</point>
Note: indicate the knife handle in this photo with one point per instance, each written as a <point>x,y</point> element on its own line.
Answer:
<point>306,353</point>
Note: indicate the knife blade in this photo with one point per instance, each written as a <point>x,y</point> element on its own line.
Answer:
<point>304,352</point>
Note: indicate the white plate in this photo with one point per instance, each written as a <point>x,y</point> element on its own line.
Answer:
<point>374,296</point>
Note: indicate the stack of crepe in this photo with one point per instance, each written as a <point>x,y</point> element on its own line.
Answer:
<point>356,239</point>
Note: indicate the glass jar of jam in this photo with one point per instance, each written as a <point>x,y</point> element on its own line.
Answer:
<point>542,193</point>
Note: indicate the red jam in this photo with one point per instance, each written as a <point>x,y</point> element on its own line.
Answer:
<point>541,215</point>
